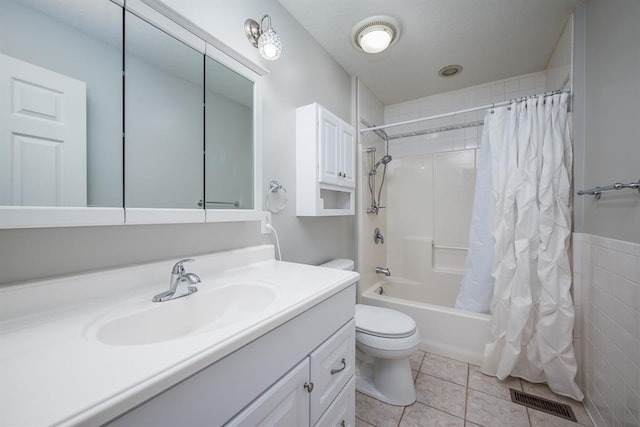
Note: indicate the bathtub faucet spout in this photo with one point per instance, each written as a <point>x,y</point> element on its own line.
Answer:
<point>383,270</point>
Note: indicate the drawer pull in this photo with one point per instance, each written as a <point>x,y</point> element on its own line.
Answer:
<point>344,365</point>
<point>309,387</point>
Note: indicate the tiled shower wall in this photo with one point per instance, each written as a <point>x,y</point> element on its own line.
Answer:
<point>606,276</point>
<point>459,139</point>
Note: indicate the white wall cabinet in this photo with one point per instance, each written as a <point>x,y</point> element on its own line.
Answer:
<point>325,163</point>
<point>263,383</point>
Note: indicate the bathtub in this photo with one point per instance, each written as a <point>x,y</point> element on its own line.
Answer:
<point>444,330</point>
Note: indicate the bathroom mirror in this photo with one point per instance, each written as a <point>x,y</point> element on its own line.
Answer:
<point>61,109</point>
<point>77,134</point>
<point>164,119</point>
<point>229,141</point>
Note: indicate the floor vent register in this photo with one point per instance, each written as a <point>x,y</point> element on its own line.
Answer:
<point>541,404</point>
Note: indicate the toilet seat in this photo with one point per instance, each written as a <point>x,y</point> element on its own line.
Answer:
<point>383,322</point>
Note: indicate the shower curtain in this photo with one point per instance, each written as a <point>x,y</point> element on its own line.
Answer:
<point>531,328</point>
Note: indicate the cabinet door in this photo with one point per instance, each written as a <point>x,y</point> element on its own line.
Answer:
<point>286,403</point>
<point>332,366</point>
<point>329,147</point>
<point>342,412</point>
<point>347,156</point>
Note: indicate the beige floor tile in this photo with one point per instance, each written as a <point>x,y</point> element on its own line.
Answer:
<point>377,413</point>
<point>416,360</point>
<point>542,419</point>
<point>360,423</point>
<point>419,415</point>
<point>492,385</point>
<point>487,410</point>
<point>543,390</point>
<point>445,368</point>
<point>443,395</point>
<point>470,424</point>
<point>415,375</point>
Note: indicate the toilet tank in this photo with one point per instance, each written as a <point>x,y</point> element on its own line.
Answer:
<point>339,263</point>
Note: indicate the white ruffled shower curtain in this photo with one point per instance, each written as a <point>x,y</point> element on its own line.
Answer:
<point>531,328</point>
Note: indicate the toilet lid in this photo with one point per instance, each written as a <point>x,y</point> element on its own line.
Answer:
<point>383,322</point>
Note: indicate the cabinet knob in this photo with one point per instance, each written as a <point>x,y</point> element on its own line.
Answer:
<point>309,387</point>
<point>343,423</point>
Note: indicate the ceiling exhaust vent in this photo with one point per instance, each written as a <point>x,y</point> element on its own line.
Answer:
<point>561,410</point>
<point>450,71</point>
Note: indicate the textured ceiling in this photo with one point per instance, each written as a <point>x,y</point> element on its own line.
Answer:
<point>491,39</point>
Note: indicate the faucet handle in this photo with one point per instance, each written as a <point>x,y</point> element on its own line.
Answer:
<point>178,268</point>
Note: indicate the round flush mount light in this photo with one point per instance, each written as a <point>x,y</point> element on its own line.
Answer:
<point>450,71</point>
<point>376,33</point>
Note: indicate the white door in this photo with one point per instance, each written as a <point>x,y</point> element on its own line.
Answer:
<point>43,160</point>
<point>329,146</point>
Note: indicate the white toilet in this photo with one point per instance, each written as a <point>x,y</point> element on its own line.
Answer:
<point>385,340</point>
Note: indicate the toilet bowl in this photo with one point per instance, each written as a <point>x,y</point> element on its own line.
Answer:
<point>385,340</point>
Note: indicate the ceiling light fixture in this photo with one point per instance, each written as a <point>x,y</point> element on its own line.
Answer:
<point>376,33</point>
<point>450,71</point>
<point>264,38</point>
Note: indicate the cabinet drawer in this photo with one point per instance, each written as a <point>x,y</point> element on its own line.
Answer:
<point>286,403</point>
<point>342,412</point>
<point>332,366</point>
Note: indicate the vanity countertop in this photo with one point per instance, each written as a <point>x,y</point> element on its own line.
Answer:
<point>54,370</point>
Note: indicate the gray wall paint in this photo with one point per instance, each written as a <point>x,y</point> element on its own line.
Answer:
<point>305,73</point>
<point>607,128</point>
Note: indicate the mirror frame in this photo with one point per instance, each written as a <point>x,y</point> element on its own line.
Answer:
<point>168,20</point>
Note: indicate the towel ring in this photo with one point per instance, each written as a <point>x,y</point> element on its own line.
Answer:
<point>276,200</point>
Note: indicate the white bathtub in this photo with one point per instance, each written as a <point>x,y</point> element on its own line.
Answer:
<point>444,330</point>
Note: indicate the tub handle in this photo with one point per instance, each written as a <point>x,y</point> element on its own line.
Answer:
<point>344,365</point>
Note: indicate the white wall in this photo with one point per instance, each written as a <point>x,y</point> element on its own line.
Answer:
<point>305,73</point>
<point>370,254</point>
<point>607,253</point>
<point>606,275</point>
<point>606,116</point>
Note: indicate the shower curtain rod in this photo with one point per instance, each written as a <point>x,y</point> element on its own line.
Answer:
<point>453,113</point>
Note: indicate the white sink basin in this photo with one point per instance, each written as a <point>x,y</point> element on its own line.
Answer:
<point>196,313</point>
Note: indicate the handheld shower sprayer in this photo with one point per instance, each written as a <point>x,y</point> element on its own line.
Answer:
<point>383,161</point>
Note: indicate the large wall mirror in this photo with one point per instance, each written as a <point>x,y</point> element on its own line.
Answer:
<point>61,109</point>
<point>178,133</point>
<point>164,125</point>
<point>229,139</point>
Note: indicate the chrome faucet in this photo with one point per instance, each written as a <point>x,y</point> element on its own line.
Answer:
<point>178,277</point>
<point>383,270</point>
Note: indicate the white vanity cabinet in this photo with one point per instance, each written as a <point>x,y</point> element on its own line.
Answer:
<point>321,380</point>
<point>299,373</point>
<point>325,163</point>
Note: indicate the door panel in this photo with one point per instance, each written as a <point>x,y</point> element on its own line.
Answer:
<point>42,137</point>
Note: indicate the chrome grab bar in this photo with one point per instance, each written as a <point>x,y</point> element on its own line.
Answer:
<point>597,191</point>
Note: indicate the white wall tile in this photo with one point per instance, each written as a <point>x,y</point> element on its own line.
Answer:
<point>610,336</point>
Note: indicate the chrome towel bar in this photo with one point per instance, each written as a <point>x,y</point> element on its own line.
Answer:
<point>597,191</point>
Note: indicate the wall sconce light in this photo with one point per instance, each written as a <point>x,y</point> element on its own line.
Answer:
<point>264,38</point>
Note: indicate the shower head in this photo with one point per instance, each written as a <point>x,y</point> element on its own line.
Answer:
<point>383,161</point>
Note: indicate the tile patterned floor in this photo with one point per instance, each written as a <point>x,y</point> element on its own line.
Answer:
<point>451,393</point>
